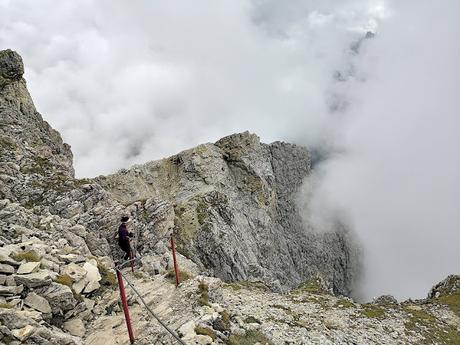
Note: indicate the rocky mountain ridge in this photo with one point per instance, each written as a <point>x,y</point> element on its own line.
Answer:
<point>231,207</point>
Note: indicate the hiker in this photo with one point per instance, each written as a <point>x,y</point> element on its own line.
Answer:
<point>124,237</point>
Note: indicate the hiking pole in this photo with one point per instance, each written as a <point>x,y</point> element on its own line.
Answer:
<point>136,236</point>
<point>124,303</point>
<point>176,267</point>
<point>131,257</point>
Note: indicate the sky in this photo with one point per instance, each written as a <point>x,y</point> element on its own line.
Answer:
<point>127,82</point>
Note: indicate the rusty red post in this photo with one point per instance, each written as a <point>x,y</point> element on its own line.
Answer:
<point>124,303</point>
<point>176,267</point>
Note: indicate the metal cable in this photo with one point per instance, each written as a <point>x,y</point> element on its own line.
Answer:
<point>148,308</point>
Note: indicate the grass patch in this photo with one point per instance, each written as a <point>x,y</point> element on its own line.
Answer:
<point>29,256</point>
<point>6,306</point>
<point>249,338</point>
<point>343,303</point>
<point>108,277</point>
<point>183,275</point>
<point>64,279</point>
<point>432,330</point>
<point>205,331</point>
<point>203,290</point>
<point>452,301</point>
<point>282,307</point>
<point>312,286</point>
<point>373,311</point>
<point>251,319</point>
<point>222,323</point>
<point>138,275</point>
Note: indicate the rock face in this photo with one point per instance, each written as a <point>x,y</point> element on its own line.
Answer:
<point>235,213</point>
<point>33,155</point>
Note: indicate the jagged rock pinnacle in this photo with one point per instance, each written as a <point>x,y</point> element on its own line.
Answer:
<point>11,67</point>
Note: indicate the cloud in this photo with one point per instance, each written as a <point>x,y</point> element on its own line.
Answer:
<point>126,83</point>
<point>398,175</point>
<point>130,83</point>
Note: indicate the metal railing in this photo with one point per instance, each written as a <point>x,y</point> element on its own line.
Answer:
<point>122,276</point>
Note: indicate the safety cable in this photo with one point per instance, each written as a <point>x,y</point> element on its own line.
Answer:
<point>145,304</point>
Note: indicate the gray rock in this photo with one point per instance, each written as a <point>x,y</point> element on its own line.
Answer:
<point>74,271</point>
<point>386,299</point>
<point>11,67</point>
<point>75,327</point>
<point>15,319</point>
<point>93,277</point>
<point>10,290</point>
<point>6,269</point>
<point>23,333</point>
<point>60,298</point>
<point>7,260</point>
<point>38,303</point>
<point>28,267</point>
<point>10,281</point>
<point>33,280</point>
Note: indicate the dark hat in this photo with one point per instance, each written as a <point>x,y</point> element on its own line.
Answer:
<point>124,219</point>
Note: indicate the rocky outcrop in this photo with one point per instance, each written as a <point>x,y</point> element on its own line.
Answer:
<point>33,158</point>
<point>235,212</point>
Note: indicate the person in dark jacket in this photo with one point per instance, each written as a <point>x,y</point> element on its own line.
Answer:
<point>123,237</point>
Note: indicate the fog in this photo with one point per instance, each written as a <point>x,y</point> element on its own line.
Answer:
<point>125,83</point>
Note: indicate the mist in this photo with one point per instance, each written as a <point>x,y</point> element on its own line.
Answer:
<point>127,83</point>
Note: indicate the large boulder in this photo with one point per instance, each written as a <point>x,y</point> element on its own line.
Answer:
<point>60,298</point>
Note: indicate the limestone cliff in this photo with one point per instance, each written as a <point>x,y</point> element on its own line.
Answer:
<point>235,215</point>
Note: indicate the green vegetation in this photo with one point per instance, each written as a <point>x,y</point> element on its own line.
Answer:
<point>312,286</point>
<point>29,256</point>
<point>108,277</point>
<point>249,338</point>
<point>186,227</point>
<point>344,303</point>
<point>225,318</point>
<point>202,212</point>
<point>452,301</point>
<point>39,166</point>
<point>81,182</point>
<point>251,319</point>
<point>6,306</point>
<point>64,279</point>
<point>6,145</point>
<point>282,307</point>
<point>203,290</point>
<point>432,330</point>
<point>373,311</point>
<point>200,330</point>
<point>222,323</point>
<point>183,275</point>
<point>138,275</point>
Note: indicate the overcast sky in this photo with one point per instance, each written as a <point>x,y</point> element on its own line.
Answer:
<point>126,82</point>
